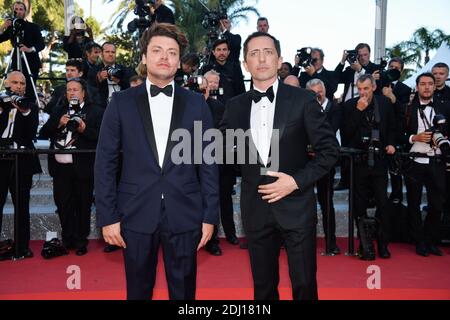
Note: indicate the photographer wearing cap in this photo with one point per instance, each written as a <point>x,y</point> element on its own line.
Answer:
<point>18,125</point>
<point>80,36</point>
<point>74,124</point>
<point>27,36</point>
<point>427,127</point>
<point>111,77</point>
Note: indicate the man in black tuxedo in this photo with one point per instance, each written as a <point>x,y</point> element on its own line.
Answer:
<point>73,175</point>
<point>157,201</point>
<point>440,73</point>
<point>18,126</point>
<point>317,71</point>
<point>370,125</point>
<point>362,65</point>
<point>277,199</point>
<point>325,185</point>
<point>428,172</point>
<point>32,43</point>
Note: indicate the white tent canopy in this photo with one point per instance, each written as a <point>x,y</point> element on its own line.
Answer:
<point>442,55</point>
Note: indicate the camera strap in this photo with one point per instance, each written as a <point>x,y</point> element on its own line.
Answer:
<point>426,122</point>
<point>375,116</point>
<point>9,130</point>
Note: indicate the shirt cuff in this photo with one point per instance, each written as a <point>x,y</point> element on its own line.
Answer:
<point>26,113</point>
<point>33,49</point>
<point>410,139</point>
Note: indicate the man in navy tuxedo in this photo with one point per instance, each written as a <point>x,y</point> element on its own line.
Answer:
<point>155,202</point>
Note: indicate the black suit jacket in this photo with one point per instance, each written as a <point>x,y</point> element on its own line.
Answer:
<point>83,163</point>
<point>354,123</point>
<point>412,120</point>
<point>217,109</point>
<point>329,78</point>
<point>234,41</point>
<point>333,112</point>
<point>163,15</point>
<point>25,128</point>
<point>402,92</point>
<point>347,76</point>
<point>32,38</point>
<point>442,95</point>
<point>300,123</point>
<point>103,86</point>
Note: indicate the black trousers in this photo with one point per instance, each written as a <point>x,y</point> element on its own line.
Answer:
<point>396,186</point>
<point>227,181</point>
<point>447,195</point>
<point>370,181</point>
<point>73,198</point>
<point>323,196</point>
<point>432,176</point>
<point>264,250</point>
<point>180,261</point>
<point>8,182</point>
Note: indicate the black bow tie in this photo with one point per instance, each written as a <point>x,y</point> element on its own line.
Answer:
<point>155,90</point>
<point>423,106</point>
<point>257,96</point>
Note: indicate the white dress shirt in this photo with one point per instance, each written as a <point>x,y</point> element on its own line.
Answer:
<point>324,105</point>
<point>355,92</point>
<point>9,130</point>
<point>261,123</point>
<point>422,147</point>
<point>161,111</point>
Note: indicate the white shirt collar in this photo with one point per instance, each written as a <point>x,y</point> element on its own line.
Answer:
<point>275,88</point>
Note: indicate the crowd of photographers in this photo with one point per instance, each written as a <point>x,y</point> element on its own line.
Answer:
<point>376,113</point>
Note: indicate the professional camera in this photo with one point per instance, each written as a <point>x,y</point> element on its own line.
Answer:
<point>7,98</point>
<point>216,93</point>
<point>212,19</point>
<point>142,9</point>
<point>304,55</point>
<point>75,118</point>
<point>352,56</point>
<point>373,147</point>
<point>113,72</point>
<point>18,29</point>
<point>438,131</point>
<point>388,76</point>
<point>193,83</point>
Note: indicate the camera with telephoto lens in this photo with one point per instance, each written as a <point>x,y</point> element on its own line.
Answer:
<point>439,131</point>
<point>216,93</point>
<point>7,98</point>
<point>212,19</point>
<point>113,72</point>
<point>142,10</point>
<point>388,76</point>
<point>193,83</point>
<point>352,56</point>
<point>304,54</point>
<point>75,118</point>
<point>18,29</point>
<point>373,147</point>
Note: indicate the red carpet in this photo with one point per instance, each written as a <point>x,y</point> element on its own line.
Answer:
<point>405,276</point>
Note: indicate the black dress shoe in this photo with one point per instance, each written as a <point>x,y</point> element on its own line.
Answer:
<point>27,253</point>
<point>383,251</point>
<point>422,250</point>
<point>335,250</point>
<point>111,248</point>
<point>435,251</point>
<point>81,251</point>
<point>233,240</point>
<point>214,249</point>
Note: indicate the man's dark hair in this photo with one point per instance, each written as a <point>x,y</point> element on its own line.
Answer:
<point>262,19</point>
<point>107,43</point>
<point>163,30</point>
<point>258,35</point>
<point>425,75</point>
<point>398,60</point>
<point>289,66</point>
<point>219,42</point>
<point>440,65</point>
<point>77,63</point>
<point>191,59</point>
<point>366,77</point>
<point>90,46</point>
<point>320,51</point>
<point>362,46</point>
<point>84,86</point>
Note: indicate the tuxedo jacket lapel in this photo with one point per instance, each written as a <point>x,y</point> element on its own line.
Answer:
<point>146,117</point>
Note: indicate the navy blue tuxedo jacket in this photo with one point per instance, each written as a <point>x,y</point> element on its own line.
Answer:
<point>190,191</point>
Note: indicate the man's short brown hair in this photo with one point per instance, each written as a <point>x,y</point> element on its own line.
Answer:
<point>163,30</point>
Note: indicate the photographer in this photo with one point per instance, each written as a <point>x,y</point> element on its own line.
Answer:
<point>231,78</point>
<point>75,124</point>
<point>92,52</point>
<point>234,40</point>
<point>325,184</point>
<point>18,125</point>
<point>27,36</point>
<point>80,36</point>
<point>360,64</point>
<point>284,71</point>
<point>74,69</point>
<point>112,77</point>
<point>189,65</point>
<point>262,25</point>
<point>315,70</point>
<point>440,73</point>
<point>161,13</point>
<point>369,125</point>
<point>428,138</point>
